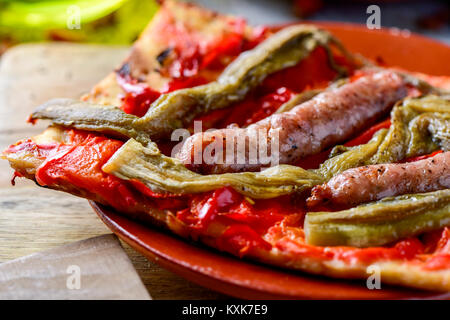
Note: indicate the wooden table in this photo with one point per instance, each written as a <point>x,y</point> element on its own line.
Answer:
<point>33,219</point>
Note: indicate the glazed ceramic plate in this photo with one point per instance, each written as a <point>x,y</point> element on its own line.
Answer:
<point>245,279</point>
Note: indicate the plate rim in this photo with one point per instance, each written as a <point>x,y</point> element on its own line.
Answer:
<point>227,286</point>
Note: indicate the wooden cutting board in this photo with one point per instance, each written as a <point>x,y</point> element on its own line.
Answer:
<point>33,219</point>
<point>95,268</point>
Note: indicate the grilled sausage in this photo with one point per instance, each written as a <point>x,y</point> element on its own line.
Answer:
<point>369,183</point>
<point>329,118</point>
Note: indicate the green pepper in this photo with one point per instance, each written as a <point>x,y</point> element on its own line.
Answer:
<point>419,126</point>
<point>177,109</point>
<point>380,222</point>
<point>429,131</point>
<point>168,175</point>
<point>429,103</point>
<point>394,147</point>
<point>351,157</point>
<point>92,117</point>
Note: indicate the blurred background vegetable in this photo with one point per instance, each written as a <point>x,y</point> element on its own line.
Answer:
<point>120,21</point>
<point>100,21</point>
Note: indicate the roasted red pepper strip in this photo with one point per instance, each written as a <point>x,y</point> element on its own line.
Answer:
<point>191,57</point>
<point>403,250</point>
<point>314,161</point>
<point>276,89</point>
<point>79,164</point>
<point>368,134</point>
<point>245,222</point>
<point>442,247</point>
<point>412,159</point>
<point>240,240</point>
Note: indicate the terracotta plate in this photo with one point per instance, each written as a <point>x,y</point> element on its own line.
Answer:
<point>245,279</point>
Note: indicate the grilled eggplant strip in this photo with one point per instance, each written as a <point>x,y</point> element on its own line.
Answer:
<point>164,174</point>
<point>177,109</point>
<point>380,222</point>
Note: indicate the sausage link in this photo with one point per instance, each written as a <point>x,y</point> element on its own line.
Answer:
<point>329,118</point>
<point>374,182</point>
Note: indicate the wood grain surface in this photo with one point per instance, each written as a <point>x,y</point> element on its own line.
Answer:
<point>33,219</point>
<point>95,268</point>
